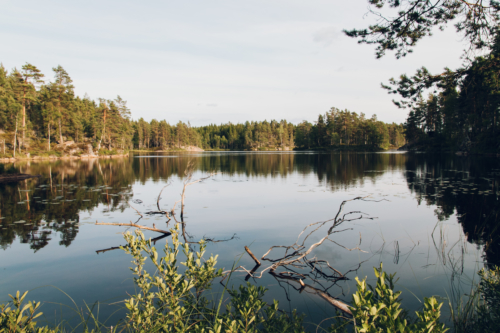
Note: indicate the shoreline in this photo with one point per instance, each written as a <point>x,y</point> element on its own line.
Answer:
<point>53,158</point>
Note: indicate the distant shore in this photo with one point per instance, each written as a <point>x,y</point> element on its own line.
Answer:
<point>54,158</point>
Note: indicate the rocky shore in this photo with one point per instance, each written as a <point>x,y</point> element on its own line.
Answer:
<point>69,150</point>
<point>52,157</point>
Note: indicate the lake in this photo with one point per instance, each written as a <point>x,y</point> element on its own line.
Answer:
<point>432,219</point>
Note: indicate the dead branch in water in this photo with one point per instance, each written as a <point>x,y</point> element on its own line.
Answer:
<point>172,212</point>
<point>133,208</point>
<point>296,255</point>
<point>189,175</point>
<point>159,197</point>
<point>154,240</point>
<point>257,262</point>
<point>303,286</point>
<point>187,182</point>
<point>136,226</point>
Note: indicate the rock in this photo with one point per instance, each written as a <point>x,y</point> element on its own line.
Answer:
<point>191,148</point>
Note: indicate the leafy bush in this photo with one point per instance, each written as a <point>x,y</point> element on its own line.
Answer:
<point>19,318</point>
<point>173,299</point>
<point>481,312</point>
<point>170,301</point>
<point>378,310</point>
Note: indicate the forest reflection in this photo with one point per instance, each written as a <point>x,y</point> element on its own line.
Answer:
<point>35,211</point>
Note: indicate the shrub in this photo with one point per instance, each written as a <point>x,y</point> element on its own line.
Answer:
<point>378,310</point>
<point>170,301</point>
<point>19,318</point>
<point>173,299</point>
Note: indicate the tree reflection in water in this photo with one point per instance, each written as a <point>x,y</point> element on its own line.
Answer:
<point>36,210</point>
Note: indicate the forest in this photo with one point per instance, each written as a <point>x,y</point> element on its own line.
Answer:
<point>455,110</point>
<point>462,115</point>
<point>40,117</point>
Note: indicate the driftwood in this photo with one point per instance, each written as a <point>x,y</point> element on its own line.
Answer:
<point>303,286</point>
<point>15,177</point>
<point>319,272</point>
<point>154,240</point>
<point>257,262</point>
<point>136,226</point>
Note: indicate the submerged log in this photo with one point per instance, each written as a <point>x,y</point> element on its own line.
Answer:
<point>15,177</point>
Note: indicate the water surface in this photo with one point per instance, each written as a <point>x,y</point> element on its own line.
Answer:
<point>435,221</point>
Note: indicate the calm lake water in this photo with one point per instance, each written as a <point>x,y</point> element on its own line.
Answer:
<point>435,222</point>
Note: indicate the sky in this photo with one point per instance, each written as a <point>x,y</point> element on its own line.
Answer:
<point>216,61</point>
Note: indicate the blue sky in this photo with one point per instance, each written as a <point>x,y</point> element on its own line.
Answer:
<point>216,61</point>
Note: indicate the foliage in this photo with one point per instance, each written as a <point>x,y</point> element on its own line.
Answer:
<point>378,309</point>
<point>50,112</point>
<point>414,20</point>
<point>489,309</point>
<point>19,318</point>
<point>481,312</point>
<point>343,127</point>
<point>463,109</point>
<point>464,103</point>
<point>174,300</point>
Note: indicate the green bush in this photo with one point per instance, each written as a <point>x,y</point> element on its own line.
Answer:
<point>174,299</point>
<point>170,301</point>
<point>378,309</point>
<point>20,319</point>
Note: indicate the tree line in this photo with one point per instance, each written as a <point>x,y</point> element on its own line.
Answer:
<point>35,112</point>
<point>40,114</point>
<point>343,127</point>
<point>463,113</point>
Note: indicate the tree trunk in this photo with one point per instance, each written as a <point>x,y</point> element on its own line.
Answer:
<point>15,139</point>
<point>48,138</point>
<point>61,141</point>
<point>24,115</point>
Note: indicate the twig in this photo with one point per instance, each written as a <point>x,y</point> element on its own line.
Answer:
<point>135,226</point>
<point>154,240</point>
<point>133,208</point>
<point>159,196</point>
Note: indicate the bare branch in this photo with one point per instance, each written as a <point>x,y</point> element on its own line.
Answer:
<point>135,226</point>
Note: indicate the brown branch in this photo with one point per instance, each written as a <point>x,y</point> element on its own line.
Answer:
<point>172,212</point>
<point>135,226</point>
<point>159,195</point>
<point>252,255</point>
<point>154,240</point>
<point>133,207</point>
<point>336,303</point>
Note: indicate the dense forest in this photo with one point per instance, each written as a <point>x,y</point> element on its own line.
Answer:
<point>463,114</point>
<point>40,117</point>
<point>35,115</point>
<point>343,127</point>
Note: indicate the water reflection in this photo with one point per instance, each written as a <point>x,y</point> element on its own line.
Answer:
<point>467,187</point>
<point>44,210</point>
<point>36,210</point>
